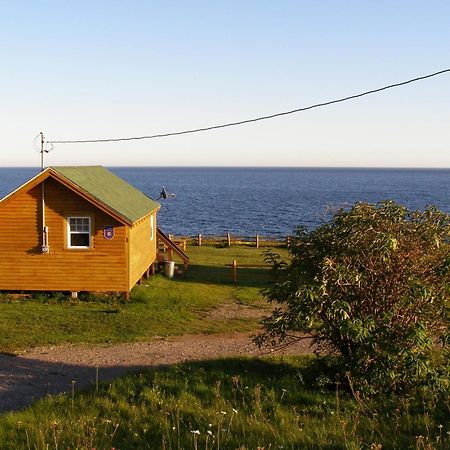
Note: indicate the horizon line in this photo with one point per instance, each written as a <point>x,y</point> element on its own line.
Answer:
<point>239,167</point>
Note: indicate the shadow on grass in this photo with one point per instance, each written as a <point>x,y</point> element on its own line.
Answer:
<point>299,375</point>
<point>246,276</point>
<point>24,380</point>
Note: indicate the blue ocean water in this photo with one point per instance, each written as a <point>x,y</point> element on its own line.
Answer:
<point>268,201</point>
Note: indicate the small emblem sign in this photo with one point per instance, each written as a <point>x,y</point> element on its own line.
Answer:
<point>108,232</point>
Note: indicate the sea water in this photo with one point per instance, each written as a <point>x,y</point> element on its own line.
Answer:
<point>267,201</point>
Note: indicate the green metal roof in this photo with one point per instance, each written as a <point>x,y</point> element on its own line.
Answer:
<point>115,193</point>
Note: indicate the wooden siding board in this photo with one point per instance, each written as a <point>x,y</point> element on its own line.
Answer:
<point>142,248</point>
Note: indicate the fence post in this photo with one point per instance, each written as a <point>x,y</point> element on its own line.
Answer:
<point>257,241</point>
<point>234,271</point>
<point>229,239</point>
<point>199,240</point>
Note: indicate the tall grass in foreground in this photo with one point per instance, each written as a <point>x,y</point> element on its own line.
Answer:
<point>287,403</point>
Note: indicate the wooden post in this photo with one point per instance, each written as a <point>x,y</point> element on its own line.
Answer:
<point>74,294</point>
<point>199,240</point>
<point>229,239</point>
<point>152,269</point>
<point>257,241</point>
<point>234,271</point>
<point>126,295</point>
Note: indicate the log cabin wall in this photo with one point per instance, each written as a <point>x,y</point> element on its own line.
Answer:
<point>142,247</point>
<point>103,267</point>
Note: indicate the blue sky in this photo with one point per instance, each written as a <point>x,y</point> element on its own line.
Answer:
<point>81,70</point>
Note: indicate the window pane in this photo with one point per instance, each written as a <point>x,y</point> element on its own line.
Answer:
<point>79,224</point>
<point>79,240</point>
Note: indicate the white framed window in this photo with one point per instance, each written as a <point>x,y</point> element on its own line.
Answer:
<point>152,228</point>
<point>79,232</point>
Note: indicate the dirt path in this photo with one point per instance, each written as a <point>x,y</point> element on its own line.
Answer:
<point>51,370</point>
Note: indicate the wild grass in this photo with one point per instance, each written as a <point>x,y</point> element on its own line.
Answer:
<point>159,307</point>
<point>283,403</point>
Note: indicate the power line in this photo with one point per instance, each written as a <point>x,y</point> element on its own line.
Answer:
<point>256,119</point>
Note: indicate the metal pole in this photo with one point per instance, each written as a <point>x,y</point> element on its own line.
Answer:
<point>44,247</point>
<point>42,150</point>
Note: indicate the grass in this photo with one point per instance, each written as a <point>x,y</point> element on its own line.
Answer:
<point>283,403</point>
<point>160,307</point>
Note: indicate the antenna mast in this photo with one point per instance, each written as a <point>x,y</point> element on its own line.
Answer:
<point>42,150</point>
<point>45,247</point>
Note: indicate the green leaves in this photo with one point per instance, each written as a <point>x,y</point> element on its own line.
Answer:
<point>372,286</point>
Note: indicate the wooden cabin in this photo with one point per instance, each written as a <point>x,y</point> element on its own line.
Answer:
<point>76,229</point>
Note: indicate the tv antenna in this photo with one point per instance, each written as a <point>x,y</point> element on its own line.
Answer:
<point>42,146</point>
<point>165,195</point>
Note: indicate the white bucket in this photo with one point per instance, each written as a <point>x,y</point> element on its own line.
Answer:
<point>169,269</point>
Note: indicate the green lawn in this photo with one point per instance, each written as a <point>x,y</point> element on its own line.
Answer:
<point>160,307</point>
<point>240,404</point>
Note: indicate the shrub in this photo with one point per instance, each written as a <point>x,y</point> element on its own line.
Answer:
<point>371,287</point>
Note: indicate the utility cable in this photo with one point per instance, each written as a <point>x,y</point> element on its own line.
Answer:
<point>256,119</point>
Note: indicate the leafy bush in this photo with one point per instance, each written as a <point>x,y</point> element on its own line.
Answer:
<point>371,287</point>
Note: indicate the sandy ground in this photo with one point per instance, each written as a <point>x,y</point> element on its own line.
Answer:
<point>52,370</point>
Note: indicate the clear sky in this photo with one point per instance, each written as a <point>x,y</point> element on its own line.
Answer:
<point>99,69</point>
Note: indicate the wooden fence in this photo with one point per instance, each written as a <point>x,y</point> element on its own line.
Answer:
<point>234,268</point>
<point>228,239</point>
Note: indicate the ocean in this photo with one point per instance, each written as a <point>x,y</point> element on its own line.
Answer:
<point>267,201</point>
